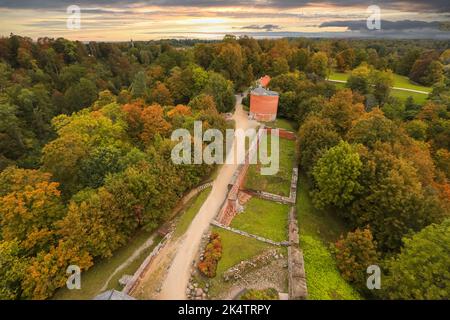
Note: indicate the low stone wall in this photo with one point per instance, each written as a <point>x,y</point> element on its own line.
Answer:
<point>294,180</point>
<point>139,274</point>
<point>296,265</point>
<point>269,196</point>
<point>237,271</point>
<point>249,235</point>
<point>277,198</point>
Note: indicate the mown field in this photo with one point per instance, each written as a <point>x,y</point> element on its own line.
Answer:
<point>264,218</point>
<point>399,82</point>
<point>279,183</point>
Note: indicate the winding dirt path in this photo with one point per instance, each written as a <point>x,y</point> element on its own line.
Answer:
<point>174,285</point>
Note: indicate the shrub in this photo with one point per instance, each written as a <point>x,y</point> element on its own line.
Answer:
<point>211,256</point>
<point>354,254</point>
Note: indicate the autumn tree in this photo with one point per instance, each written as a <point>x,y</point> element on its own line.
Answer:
<point>47,271</point>
<point>393,201</point>
<point>354,254</point>
<point>161,95</point>
<point>29,205</point>
<point>93,222</point>
<point>319,64</point>
<point>181,85</point>
<point>372,127</point>
<point>203,102</point>
<point>153,123</point>
<point>342,111</point>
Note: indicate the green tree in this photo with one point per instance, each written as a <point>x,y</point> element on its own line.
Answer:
<point>336,176</point>
<point>222,91</point>
<point>279,66</point>
<point>12,270</point>
<point>360,79</point>
<point>417,129</point>
<point>138,88</point>
<point>443,161</point>
<point>319,64</point>
<point>382,83</point>
<point>80,95</point>
<point>315,135</point>
<point>420,270</point>
<point>203,102</point>
<point>78,137</point>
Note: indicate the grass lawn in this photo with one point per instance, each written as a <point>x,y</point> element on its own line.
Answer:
<point>236,248</point>
<point>340,76</point>
<point>264,218</point>
<point>419,98</point>
<point>191,210</point>
<point>282,124</point>
<point>94,279</point>
<point>399,81</point>
<point>279,183</point>
<point>404,82</point>
<point>318,229</point>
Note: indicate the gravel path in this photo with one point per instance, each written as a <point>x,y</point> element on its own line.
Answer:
<point>174,285</point>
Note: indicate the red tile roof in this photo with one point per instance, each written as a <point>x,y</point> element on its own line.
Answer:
<point>264,81</point>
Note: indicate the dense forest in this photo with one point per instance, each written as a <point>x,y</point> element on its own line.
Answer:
<point>85,147</point>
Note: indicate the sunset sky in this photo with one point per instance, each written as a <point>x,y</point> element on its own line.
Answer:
<point>142,20</point>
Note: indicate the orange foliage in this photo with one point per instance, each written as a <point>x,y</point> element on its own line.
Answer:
<point>153,123</point>
<point>211,256</point>
<point>179,110</point>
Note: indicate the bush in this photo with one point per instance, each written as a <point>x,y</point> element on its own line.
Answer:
<point>266,294</point>
<point>211,256</point>
<point>354,254</point>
